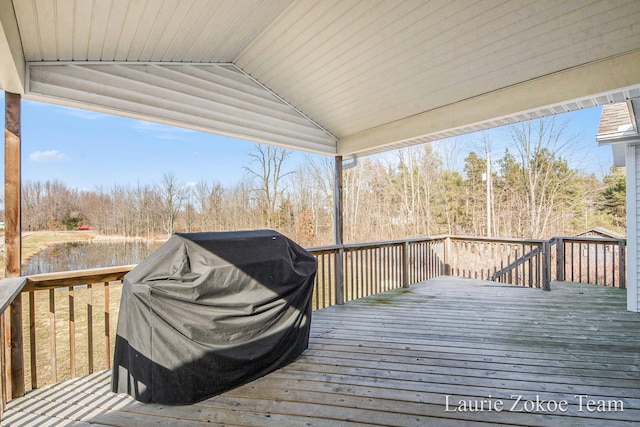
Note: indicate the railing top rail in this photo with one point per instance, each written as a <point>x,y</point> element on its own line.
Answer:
<point>9,289</point>
<point>498,240</point>
<point>381,243</point>
<point>76,277</point>
<point>582,239</point>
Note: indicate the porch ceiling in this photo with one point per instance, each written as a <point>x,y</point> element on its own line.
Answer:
<point>333,77</point>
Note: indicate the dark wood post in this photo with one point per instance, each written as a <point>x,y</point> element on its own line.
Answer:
<point>622,264</point>
<point>13,243</point>
<point>338,230</point>
<point>405,265</point>
<point>559,258</point>
<point>546,265</point>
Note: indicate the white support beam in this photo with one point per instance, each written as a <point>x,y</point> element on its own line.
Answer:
<point>558,88</point>
<point>12,62</point>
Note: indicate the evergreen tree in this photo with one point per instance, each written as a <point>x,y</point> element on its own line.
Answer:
<point>612,200</point>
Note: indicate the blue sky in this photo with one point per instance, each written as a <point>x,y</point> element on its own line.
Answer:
<point>86,150</point>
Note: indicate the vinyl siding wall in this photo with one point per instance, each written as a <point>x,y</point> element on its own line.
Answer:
<point>633,227</point>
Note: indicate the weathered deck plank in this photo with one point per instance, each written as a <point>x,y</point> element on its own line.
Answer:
<point>393,358</point>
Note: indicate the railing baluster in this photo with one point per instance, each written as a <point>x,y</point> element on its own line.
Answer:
<point>72,334</point>
<point>572,264</point>
<point>52,335</point>
<point>107,327</point>
<point>597,278</point>
<point>622,274</point>
<point>32,340</point>
<point>4,382</point>
<point>90,328</point>
<point>613,266</point>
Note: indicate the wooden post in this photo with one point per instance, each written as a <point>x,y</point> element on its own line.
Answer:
<point>559,259</point>
<point>338,230</point>
<point>3,376</point>
<point>546,265</point>
<point>622,264</point>
<point>405,264</point>
<point>14,363</point>
<point>447,255</point>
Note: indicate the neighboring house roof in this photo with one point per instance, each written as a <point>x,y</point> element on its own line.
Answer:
<point>600,232</point>
<point>616,119</point>
<point>619,127</point>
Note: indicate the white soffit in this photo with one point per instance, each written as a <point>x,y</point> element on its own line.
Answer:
<point>215,98</point>
<point>613,96</point>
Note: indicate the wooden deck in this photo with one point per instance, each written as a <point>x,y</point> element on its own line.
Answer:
<point>397,358</point>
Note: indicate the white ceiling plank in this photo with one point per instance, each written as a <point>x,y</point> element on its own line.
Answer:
<point>29,34</point>
<point>98,30</point>
<point>46,20</point>
<point>118,13</point>
<point>306,40</point>
<point>196,39</point>
<point>82,28</point>
<point>64,30</point>
<point>285,27</point>
<point>131,28</point>
<point>158,23</point>
<point>181,27</point>
<point>226,45</point>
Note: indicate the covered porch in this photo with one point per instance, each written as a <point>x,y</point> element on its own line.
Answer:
<point>347,79</point>
<point>446,351</point>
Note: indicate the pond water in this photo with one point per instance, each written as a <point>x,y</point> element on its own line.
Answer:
<point>83,255</point>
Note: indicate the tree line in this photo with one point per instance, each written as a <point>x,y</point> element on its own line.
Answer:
<point>530,191</point>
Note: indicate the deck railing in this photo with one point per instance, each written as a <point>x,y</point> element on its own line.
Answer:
<point>69,317</point>
<point>600,261</point>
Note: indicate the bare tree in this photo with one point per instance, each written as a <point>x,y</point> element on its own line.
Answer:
<point>172,199</point>
<point>268,162</point>
<point>209,205</point>
<point>546,176</point>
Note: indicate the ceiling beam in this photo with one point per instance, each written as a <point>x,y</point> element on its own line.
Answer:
<point>572,84</point>
<point>12,62</point>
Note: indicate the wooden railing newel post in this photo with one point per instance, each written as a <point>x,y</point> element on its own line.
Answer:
<point>559,259</point>
<point>447,250</point>
<point>338,228</point>
<point>622,263</point>
<point>13,340</point>
<point>546,265</point>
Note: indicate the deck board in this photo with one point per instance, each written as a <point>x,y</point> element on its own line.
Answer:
<point>393,358</point>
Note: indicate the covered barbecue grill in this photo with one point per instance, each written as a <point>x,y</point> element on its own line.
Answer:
<point>209,311</point>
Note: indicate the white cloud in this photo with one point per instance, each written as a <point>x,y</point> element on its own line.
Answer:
<point>190,184</point>
<point>47,156</point>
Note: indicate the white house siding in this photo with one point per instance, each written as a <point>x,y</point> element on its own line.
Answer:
<point>633,226</point>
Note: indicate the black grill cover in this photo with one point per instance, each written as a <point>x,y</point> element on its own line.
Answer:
<point>209,311</point>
